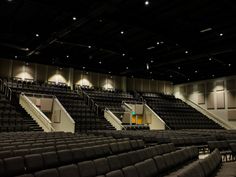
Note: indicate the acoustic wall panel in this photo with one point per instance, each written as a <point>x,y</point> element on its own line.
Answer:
<point>201,88</point>
<point>201,98</point>
<point>183,90</point>
<point>231,84</point>
<point>189,89</point>
<point>210,100</point>
<point>231,97</point>
<point>232,115</point>
<point>220,99</point>
<point>145,85</point>
<point>210,86</point>
<point>219,85</point>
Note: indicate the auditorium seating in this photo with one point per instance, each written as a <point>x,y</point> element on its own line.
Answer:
<point>111,99</point>
<point>84,116</point>
<point>177,114</point>
<point>14,118</point>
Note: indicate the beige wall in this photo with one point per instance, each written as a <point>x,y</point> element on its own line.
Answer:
<point>14,68</point>
<point>145,85</point>
<point>218,96</point>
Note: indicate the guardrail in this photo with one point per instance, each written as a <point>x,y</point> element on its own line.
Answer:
<point>115,122</point>
<point>36,113</point>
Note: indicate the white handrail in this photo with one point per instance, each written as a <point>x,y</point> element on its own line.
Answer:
<point>64,110</point>
<point>116,122</point>
<point>155,114</point>
<point>36,113</point>
<point>208,113</point>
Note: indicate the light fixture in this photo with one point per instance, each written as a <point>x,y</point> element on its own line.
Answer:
<point>122,32</point>
<point>229,64</point>
<point>89,46</point>
<point>162,42</point>
<point>221,34</point>
<point>150,72</point>
<point>146,3</point>
<point>210,59</point>
<point>109,72</point>
<point>186,52</point>
<point>123,54</point>
<point>188,79</point>
<point>158,43</point>
<point>205,30</point>
<point>147,65</point>
<point>74,18</point>
<point>179,67</point>
<point>151,47</point>
<point>37,35</point>
<point>16,56</point>
<point>127,67</point>
<point>100,62</point>
<point>213,75</point>
<point>171,76</point>
<point>67,56</point>
<point>196,71</point>
<point>83,67</point>
<point>152,61</point>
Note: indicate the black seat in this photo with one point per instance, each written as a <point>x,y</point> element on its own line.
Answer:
<point>65,157</point>
<point>87,169</point>
<point>101,166</point>
<point>147,168</point>
<point>68,171</point>
<point>33,162</point>
<point>47,173</point>
<point>130,171</point>
<point>50,159</point>
<point>114,162</point>
<point>14,166</point>
<point>117,173</point>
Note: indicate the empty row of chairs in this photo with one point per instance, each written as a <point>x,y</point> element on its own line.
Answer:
<point>139,163</point>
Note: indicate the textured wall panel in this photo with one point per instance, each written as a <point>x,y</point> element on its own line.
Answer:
<point>201,98</point>
<point>220,86</point>
<point>201,88</point>
<point>231,97</point>
<point>210,100</point>
<point>232,115</point>
<point>220,99</point>
<point>210,86</point>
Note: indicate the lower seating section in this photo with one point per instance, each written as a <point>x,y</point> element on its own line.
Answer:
<point>177,114</point>
<point>140,163</point>
<point>14,118</point>
<point>59,149</point>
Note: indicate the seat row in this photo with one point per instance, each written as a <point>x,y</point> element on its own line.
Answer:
<point>140,163</point>
<point>34,162</point>
<point>24,149</point>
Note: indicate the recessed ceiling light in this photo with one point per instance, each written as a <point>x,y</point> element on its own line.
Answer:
<point>151,47</point>
<point>122,32</point>
<point>171,76</point>
<point>196,71</point>
<point>123,54</point>
<point>150,72</point>
<point>37,35</point>
<point>109,72</point>
<point>210,59</point>
<point>83,67</point>
<point>147,65</point>
<point>152,61</point>
<point>158,43</point>
<point>16,56</point>
<point>132,76</point>
<point>213,75</point>
<point>9,0</point>
<point>146,3</point>
<point>221,34</point>
<point>74,18</point>
<point>27,49</point>
<point>229,64</point>
<point>179,67</point>
<point>67,56</point>
<point>162,42</point>
<point>89,46</point>
<point>127,67</point>
<point>188,79</point>
<point>100,20</point>
<point>100,62</point>
<point>186,52</point>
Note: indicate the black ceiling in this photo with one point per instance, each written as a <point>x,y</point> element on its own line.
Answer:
<point>176,40</point>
